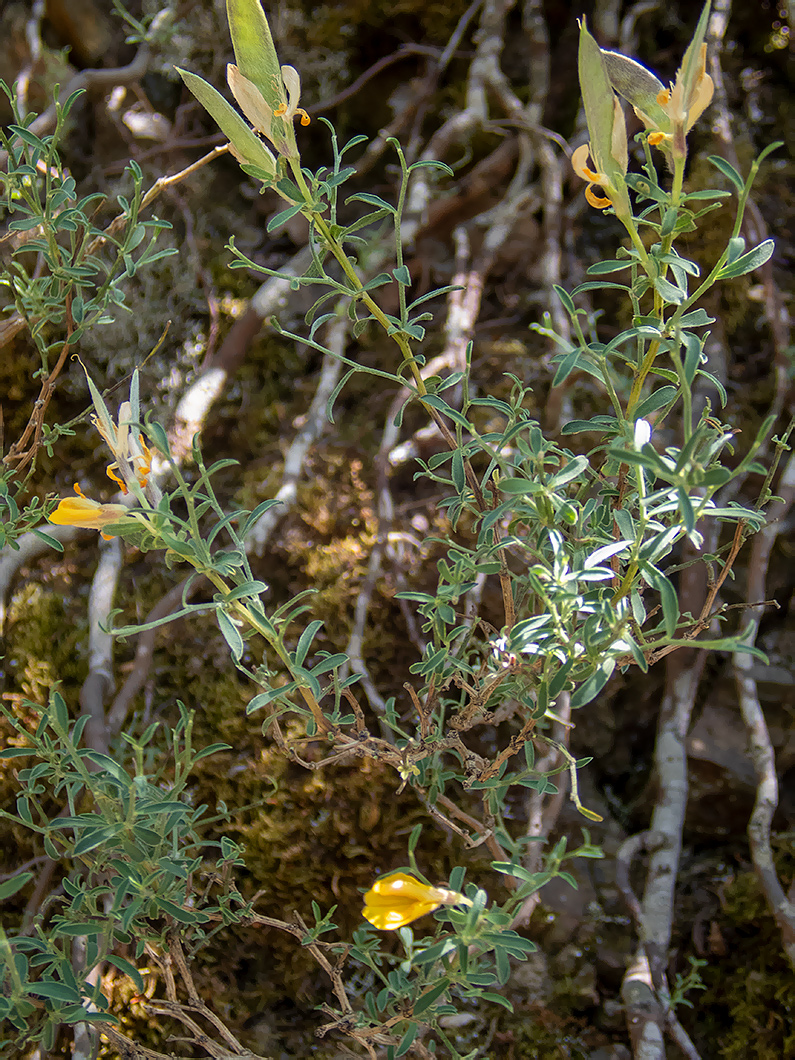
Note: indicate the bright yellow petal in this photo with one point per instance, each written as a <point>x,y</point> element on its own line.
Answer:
<point>82,511</point>
<point>389,919</point>
<point>397,900</point>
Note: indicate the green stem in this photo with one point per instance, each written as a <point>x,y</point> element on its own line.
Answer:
<point>350,272</point>
<point>637,243</point>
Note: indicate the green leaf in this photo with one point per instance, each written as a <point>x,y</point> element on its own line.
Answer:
<point>249,589</point>
<point>696,319</point>
<point>182,916</point>
<point>431,163</point>
<point>599,285</point>
<point>727,170</point>
<point>596,423</point>
<point>88,927</point>
<point>245,141</point>
<point>371,200</point>
<point>30,138</point>
<point>213,748</point>
<point>565,298</point>
<point>655,401</point>
<point>119,773</point>
<point>737,644</point>
<point>686,510</point>
<point>594,685</point>
<point>96,837</point>
<point>55,991</point>
<point>674,295</point>
<point>735,248</point>
<point>573,469</point>
<point>431,997</point>
<point>441,405</point>
<point>305,641</point>
<point>231,634</point>
<point>668,599</point>
<point>407,1040</point>
<point>519,487</point>
<point>283,216</point>
<point>693,351</point>
<point>330,662</point>
<point>750,261</point>
<point>128,969</point>
<point>497,999</point>
<point>264,698</point>
<point>16,883</point>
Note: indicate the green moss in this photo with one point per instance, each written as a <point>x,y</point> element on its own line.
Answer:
<point>750,990</point>
<point>42,642</point>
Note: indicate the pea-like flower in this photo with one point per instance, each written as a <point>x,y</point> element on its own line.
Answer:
<point>607,133</point>
<point>579,163</point>
<point>261,113</point>
<point>268,93</point>
<point>133,461</point>
<point>668,113</point>
<point>397,900</point>
<point>82,511</point>
<point>685,100</point>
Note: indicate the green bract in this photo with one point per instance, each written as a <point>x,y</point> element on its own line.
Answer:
<point>608,135</point>
<point>246,145</point>
<point>267,93</point>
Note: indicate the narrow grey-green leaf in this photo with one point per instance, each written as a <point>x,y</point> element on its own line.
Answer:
<point>244,140</point>
<point>750,261</point>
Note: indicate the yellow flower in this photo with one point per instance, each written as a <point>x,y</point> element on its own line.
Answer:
<point>668,113</point>
<point>394,901</point>
<point>82,511</point>
<point>684,102</point>
<point>607,133</point>
<point>133,456</point>
<point>260,112</point>
<point>579,165</point>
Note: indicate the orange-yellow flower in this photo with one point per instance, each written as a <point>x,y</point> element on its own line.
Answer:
<point>283,103</point>
<point>579,164</point>
<point>82,511</point>
<point>683,102</point>
<point>668,113</point>
<point>133,456</point>
<point>394,901</point>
